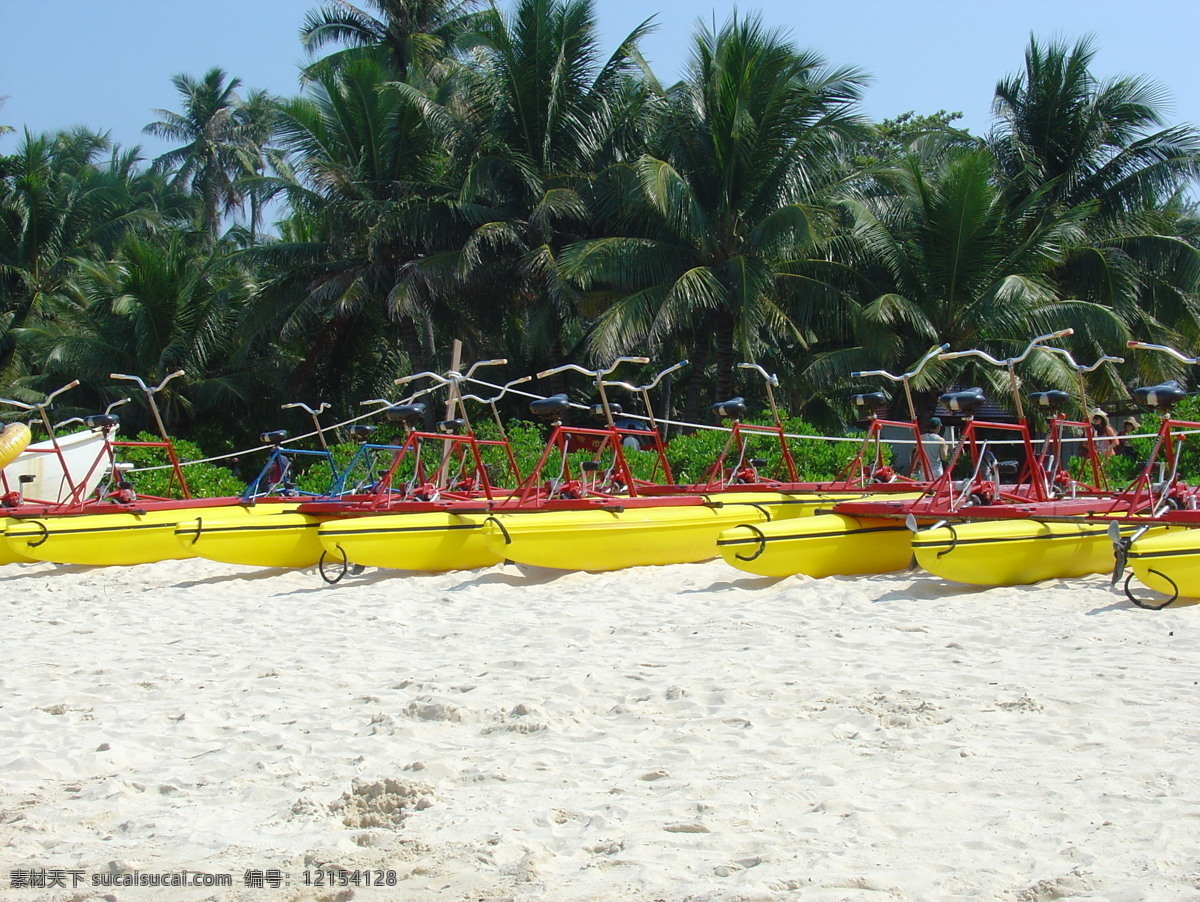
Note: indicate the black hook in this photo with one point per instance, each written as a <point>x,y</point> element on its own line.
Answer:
<point>333,581</point>
<point>1147,605</point>
<point>762,542</point>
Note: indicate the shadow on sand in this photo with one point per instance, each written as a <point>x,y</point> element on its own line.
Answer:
<point>525,575</point>
<point>749,582</point>
<point>240,576</point>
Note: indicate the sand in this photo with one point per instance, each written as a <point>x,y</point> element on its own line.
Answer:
<point>674,733</point>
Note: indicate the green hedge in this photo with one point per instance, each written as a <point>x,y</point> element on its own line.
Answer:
<point>689,456</point>
<point>204,480</point>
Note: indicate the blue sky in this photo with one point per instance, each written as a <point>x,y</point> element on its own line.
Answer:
<point>108,63</point>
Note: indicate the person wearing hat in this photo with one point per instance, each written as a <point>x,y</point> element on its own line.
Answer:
<point>936,448</point>
<point>1105,435</point>
<point>1124,446</point>
<point>632,442</point>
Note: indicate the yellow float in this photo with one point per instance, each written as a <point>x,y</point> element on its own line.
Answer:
<point>9,554</point>
<point>13,439</point>
<point>1015,552</point>
<point>1168,562</point>
<point>599,540</point>
<point>589,539</point>
<point>612,540</point>
<point>114,539</point>
<point>279,539</point>
<point>824,545</point>
<point>416,541</point>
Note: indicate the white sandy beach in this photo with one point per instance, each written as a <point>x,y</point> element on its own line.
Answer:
<point>675,733</point>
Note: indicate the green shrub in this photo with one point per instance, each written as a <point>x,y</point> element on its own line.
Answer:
<point>692,455</point>
<point>1189,459</point>
<point>526,439</point>
<point>817,460</point>
<point>313,475</point>
<point>204,480</point>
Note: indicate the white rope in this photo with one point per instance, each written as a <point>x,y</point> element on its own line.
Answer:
<point>1066,440</point>
<point>298,438</point>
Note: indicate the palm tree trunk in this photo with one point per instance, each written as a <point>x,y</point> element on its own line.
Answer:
<point>558,383</point>
<point>695,383</point>
<point>328,338</point>
<point>429,346</point>
<point>724,327</point>
<point>418,361</point>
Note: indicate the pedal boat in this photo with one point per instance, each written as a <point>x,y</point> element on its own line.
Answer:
<point>983,545</point>
<point>40,474</point>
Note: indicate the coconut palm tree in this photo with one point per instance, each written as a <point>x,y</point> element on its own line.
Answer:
<point>1079,143</point>
<point>207,162</point>
<point>1078,140</point>
<point>407,32</point>
<point>155,307</point>
<point>256,155</point>
<point>531,116</point>
<point>365,174</point>
<point>731,189</point>
<point>61,202</point>
<point>945,256</point>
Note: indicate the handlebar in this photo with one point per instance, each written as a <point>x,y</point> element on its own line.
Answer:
<point>142,385</point>
<point>772,379</point>
<point>44,403</point>
<point>499,361</point>
<point>652,383</point>
<point>384,402</point>
<point>1085,369</point>
<point>315,415</point>
<point>595,374</point>
<point>503,391</point>
<point>903,377</point>
<point>115,404</point>
<point>438,377</point>
<point>453,376</point>
<point>983,355</point>
<point>525,394</point>
<point>302,406</point>
<point>67,422</point>
<point>1146,346</point>
<point>54,394</point>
